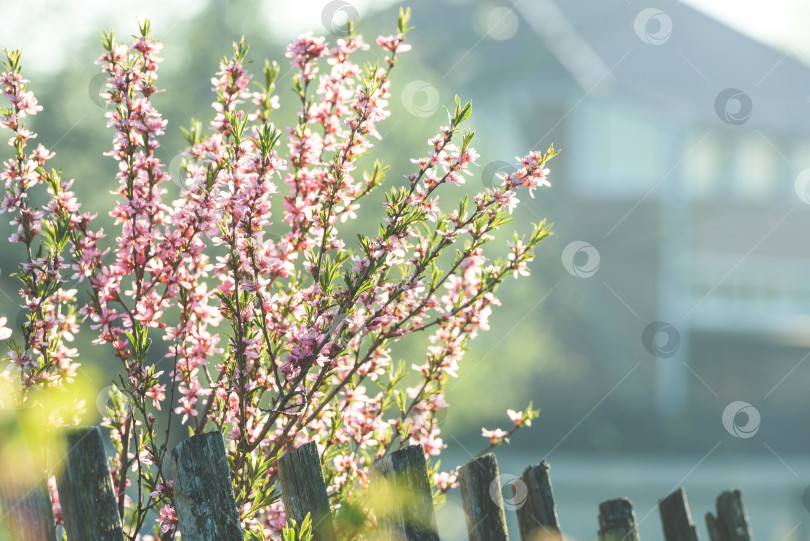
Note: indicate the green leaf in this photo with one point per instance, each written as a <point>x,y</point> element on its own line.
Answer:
<point>302,533</point>
<point>399,398</point>
<point>402,23</point>
<point>192,134</point>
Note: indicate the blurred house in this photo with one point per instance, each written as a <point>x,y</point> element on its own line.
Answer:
<point>695,136</point>
<point>685,144</point>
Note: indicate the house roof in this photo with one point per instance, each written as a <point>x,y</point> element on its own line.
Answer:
<point>566,47</point>
<point>676,56</point>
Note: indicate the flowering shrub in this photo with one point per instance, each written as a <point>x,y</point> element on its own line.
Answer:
<point>274,341</point>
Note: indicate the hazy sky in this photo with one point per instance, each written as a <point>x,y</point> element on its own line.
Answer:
<point>47,30</point>
<point>781,23</point>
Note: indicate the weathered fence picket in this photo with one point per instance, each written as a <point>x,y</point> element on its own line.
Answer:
<point>304,492</point>
<point>86,495</point>
<point>402,497</point>
<point>482,499</point>
<point>676,519</point>
<point>731,523</point>
<point>537,515</point>
<point>712,526</point>
<point>26,513</point>
<point>617,521</point>
<point>203,492</point>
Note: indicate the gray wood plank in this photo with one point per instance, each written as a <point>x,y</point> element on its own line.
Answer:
<point>403,502</point>
<point>617,521</point>
<point>86,494</point>
<point>537,516</point>
<point>732,517</point>
<point>304,492</point>
<point>482,499</point>
<point>676,519</point>
<point>203,492</point>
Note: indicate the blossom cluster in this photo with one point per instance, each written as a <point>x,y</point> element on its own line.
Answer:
<point>43,356</point>
<point>276,331</point>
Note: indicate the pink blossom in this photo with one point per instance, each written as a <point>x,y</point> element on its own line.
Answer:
<point>167,518</point>
<point>444,481</point>
<point>5,332</point>
<point>517,417</point>
<point>495,436</point>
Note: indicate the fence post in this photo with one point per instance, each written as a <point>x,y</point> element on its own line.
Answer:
<point>731,523</point>
<point>482,499</point>
<point>203,493</point>
<point>713,528</point>
<point>304,491</point>
<point>617,521</point>
<point>676,519</point>
<point>537,516</point>
<point>26,513</point>
<point>86,494</point>
<point>402,498</point>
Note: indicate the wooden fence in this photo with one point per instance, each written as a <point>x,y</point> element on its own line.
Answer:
<point>399,486</point>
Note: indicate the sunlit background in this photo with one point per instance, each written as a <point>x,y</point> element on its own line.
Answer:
<point>665,327</point>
